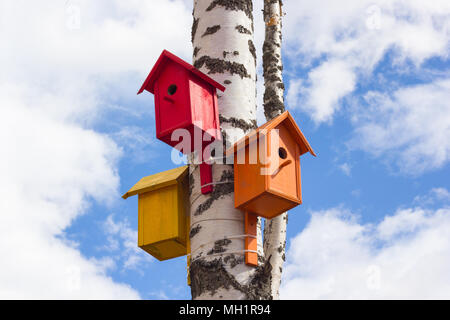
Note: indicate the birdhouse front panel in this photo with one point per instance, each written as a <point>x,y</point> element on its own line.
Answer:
<point>162,223</point>
<point>172,100</point>
<point>285,174</point>
<point>264,189</point>
<point>163,213</point>
<point>273,185</point>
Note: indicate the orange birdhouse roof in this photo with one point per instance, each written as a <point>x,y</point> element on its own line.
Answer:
<point>291,125</point>
<point>160,65</point>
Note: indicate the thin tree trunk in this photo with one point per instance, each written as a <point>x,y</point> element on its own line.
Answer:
<point>274,229</point>
<point>222,38</point>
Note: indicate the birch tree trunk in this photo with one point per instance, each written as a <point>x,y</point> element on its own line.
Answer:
<point>222,38</point>
<point>274,229</point>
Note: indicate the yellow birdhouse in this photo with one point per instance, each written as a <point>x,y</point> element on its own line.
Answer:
<point>163,215</point>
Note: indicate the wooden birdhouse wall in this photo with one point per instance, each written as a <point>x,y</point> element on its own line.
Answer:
<point>172,100</point>
<point>286,178</point>
<point>251,183</point>
<point>204,108</point>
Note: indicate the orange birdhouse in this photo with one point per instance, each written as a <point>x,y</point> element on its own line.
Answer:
<point>267,179</point>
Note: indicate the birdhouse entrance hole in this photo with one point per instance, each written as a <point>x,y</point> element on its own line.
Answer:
<point>172,89</point>
<point>282,153</point>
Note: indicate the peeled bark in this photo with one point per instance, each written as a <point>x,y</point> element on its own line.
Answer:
<point>275,228</point>
<point>222,38</point>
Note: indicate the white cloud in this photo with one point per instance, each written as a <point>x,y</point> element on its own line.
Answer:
<point>57,79</point>
<point>327,84</point>
<point>49,170</point>
<point>346,168</point>
<point>98,65</point>
<point>410,127</point>
<point>435,195</point>
<point>136,143</point>
<point>405,256</point>
<point>113,36</point>
<point>123,239</point>
<point>351,37</point>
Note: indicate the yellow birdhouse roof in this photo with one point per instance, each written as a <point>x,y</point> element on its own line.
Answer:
<point>157,181</point>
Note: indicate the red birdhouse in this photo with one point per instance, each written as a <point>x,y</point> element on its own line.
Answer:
<point>185,98</point>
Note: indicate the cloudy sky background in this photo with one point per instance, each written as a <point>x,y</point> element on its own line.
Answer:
<point>367,81</point>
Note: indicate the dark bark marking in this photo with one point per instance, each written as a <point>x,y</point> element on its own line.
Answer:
<point>233,261</point>
<point>272,103</point>
<point>209,276</point>
<point>259,286</point>
<point>239,123</point>
<point>211,30</point>
<point>194,29</point>
<point>270,60</point>
<point>215,65</point>
<point>191,183</point>
<point>227,82</point>
<point>194,231</point>
<point>236,5</point>
<point>218,191</point>
<point>196,50</point>
<point>242,29</point>
<point>225,53</point>
<point>252,49</point>
<point>219,246</point>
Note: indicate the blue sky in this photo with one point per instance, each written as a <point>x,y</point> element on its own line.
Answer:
<point>367,82</point>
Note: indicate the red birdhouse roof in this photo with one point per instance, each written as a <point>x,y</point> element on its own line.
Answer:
<point>291,126</point>
<point>160,64</point>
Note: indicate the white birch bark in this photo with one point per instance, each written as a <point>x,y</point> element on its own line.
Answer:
<point>222,38</point>
<point>275,229</point>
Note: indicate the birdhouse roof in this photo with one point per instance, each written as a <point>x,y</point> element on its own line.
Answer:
<point>161,63</point>
<point>284,118</point>
<point>157,181</point>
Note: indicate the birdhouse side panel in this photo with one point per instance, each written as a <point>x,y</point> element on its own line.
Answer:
<point>249,182</point>
<point>299,175</point>
<point>204,110</point>
<point>183,209</point>
<point>158,214</point>
<point>172,100</point>
<point>284,159</point>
